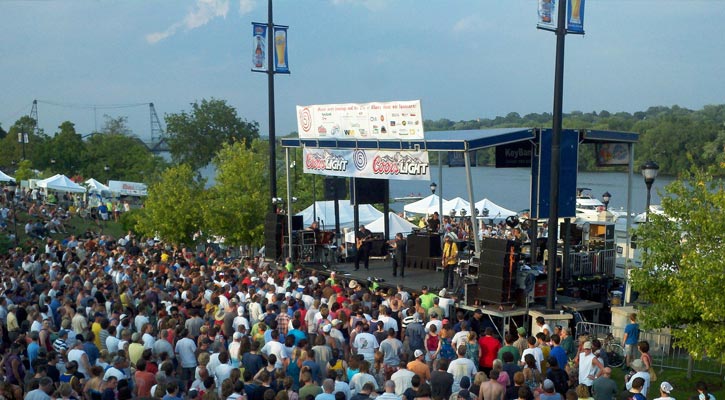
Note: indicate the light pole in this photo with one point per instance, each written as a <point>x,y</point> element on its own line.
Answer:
<point>433,187</point>
<point>605,199</point>
<point>649,172</point>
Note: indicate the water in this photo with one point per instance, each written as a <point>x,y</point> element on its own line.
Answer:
<point>510,187</point>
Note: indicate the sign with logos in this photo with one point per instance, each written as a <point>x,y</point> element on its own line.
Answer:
<point>575,16</point>
<point>547,14</point>
<point>280,50</point>
<point>259,47</point>
<point>458,159</point>
<point>611,154</point>
<point>390,120</point>
<point>128,188</point>
<point>514,155</point>
<point>368,163</point>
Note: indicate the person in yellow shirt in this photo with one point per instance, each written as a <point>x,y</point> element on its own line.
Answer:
<point>450,259</point>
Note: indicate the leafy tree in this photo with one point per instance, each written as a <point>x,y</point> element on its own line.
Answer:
<point>173,208</point>
<point>24,172</point>
<point>67,149</point>
<point>2,133</point>
<point>682,275</point>
<point>11,150</point>
<point>237,202</point>
<point>195,137</point>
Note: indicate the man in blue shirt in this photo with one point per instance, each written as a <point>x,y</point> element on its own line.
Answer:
<point>631,338</point>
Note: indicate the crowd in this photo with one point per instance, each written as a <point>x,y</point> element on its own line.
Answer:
<point>120,318</point>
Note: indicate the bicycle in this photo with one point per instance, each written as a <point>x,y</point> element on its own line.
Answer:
<point>614,351</point>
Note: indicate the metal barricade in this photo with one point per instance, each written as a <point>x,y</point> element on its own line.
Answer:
<point>663,348</point>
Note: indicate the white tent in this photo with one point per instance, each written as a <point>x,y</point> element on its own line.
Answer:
<point>61,183</point>
<point>396,225</point>
<point>6,178</point>
<point>457,204</point>
<point>423,205</point>
<point>326,214</point>
<point>94,186</point>
<point>494,210</point>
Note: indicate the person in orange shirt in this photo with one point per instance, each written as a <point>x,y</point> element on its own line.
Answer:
<point>419,366</point>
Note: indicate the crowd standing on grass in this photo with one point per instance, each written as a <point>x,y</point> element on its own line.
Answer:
<point>114,319</point>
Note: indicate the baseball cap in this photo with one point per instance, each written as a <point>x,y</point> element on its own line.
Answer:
<point>666,387</point>
<point>478,311</point>
<point>336,321</point>
<point>442,293</point>
<point>327,328</point>
<point>587,345</point>
<point>521,330</point>
<point>237,335</point>
<point>424,287</point>
<point>418,353</point>
<point>548,384</point>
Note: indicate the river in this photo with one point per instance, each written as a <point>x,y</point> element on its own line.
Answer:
<point>510,187</point>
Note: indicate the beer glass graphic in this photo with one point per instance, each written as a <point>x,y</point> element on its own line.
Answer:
<point>576,11</point>
<point>280,44</point>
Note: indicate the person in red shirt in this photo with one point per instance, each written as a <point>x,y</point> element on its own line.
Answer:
<point>489,350</point>
<point>144,380</point>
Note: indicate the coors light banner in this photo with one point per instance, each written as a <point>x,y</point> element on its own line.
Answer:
<point>360,163</point>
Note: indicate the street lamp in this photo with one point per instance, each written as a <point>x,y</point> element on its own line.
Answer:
<point>433,187</point>
<point>605,199</point>
<point>106,168</point>
<point>649,172</point>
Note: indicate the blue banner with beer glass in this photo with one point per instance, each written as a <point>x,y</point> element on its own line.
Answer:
<point>281,65</point>
<point>259,47</point>
<point>575,16</point>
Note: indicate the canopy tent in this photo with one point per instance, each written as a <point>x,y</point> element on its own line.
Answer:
<point>488,209</point>
<point>95,187</point>
<point>325,211</point>
<point>457,204</point>
<point>6,178</point>
<point>61,183</point>
<point>396,225</point>
<point>423,205</point>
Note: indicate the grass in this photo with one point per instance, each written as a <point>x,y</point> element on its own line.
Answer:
<point>75,226</point>
<point>684,387</point>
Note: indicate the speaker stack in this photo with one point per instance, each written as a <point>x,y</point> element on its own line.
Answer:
<point>275,228</point>
<point>496,273</point>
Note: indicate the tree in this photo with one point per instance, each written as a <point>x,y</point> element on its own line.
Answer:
<point>195,137</point>
<point>11,150</point>
<point>237,202</point>
<point>682,275</point>
<point>173,208</point>
<point>67,149</point>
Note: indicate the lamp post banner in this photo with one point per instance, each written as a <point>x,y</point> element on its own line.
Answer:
<point>547,14</point>
<point>390,120</point>
<point>575,16</point>
<point>368,163</point>
<point>281,63</point>
<point>259,46</point>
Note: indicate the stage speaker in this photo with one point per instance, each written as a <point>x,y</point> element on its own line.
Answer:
<point>370,191</point>
<point>274,231</point>
<point>335,188</point>
<point>497,272</point>
<point>298,223</point>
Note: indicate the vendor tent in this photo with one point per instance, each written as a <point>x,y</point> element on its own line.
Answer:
<point>397,225</point>
<point>61,183</point>
<point>6,178</point>
<point>325,211</point>
<point>488,209</point>
<point>457,204</point>
<point>423,205</point>
<point>94,186</point>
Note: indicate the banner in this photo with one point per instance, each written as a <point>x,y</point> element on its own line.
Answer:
<point>259,45</point>
<point>128,188</point>
<point>391,120</point>
<point>514,155</point>
<point>611,154</point>
<point>368,163</point>
<point>547,14</point>
<point>575,16</point>
<point>457,159</point>
<point>280,50</point>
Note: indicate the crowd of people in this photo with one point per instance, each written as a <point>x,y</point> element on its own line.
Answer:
<point>119,318</point>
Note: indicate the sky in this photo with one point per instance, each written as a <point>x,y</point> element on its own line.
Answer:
<point>464,59</point>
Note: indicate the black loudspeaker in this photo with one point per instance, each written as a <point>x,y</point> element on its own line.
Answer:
<point>274,231</point>
<point>335,188</point>
<point>298,223</point>
<point>370,191</point>
<point>497,272</point>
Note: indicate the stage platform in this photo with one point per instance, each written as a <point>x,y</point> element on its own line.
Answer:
<point>502,317</point>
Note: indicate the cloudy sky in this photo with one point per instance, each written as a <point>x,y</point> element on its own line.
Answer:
<point>463,58</point>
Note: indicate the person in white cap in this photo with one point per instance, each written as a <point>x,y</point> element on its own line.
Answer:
<point>665,391</point>
<point>589,366</point>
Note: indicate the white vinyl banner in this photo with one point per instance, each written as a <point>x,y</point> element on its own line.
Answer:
<point>362,163</point>
<point>390,120</point>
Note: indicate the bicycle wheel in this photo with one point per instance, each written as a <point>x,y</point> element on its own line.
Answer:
<point>615,352</point>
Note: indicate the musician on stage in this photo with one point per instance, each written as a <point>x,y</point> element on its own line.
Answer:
<point>400,245</point>
<point>450,259</point>
<point>314,227</point>
<point>434,222</point>
<point>363,239</point>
